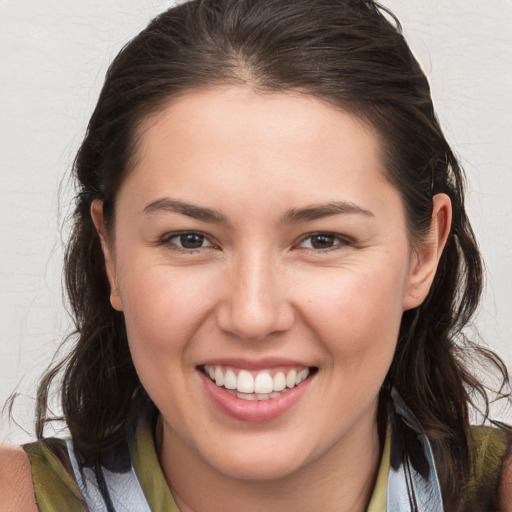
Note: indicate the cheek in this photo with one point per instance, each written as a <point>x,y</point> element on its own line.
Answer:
<point>163,310</point>
<point>356,314</point>
<point>163,313</point>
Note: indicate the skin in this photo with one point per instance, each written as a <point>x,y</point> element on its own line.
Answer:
<point>257,288</point>
<point>16,488</point>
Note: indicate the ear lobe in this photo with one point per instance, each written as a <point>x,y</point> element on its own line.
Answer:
<point>108,253</point>
<point>426,255</point>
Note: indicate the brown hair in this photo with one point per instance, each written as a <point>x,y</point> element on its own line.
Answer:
<point>350,53</point>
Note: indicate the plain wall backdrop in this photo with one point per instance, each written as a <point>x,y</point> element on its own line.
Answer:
<point>53,57</point>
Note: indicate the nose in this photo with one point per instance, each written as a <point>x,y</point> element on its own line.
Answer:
<point>255,304</point>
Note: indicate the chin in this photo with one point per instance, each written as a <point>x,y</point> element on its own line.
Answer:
<point>262,470</point>
<point>257,460</point>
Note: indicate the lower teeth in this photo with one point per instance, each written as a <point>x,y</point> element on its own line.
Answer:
<point>257,396</point>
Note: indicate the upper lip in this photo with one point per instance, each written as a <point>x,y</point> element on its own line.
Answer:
<point>254,364</point>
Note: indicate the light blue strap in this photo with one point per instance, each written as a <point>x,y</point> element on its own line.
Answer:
<point>413,484</point>
<point>124,488</point>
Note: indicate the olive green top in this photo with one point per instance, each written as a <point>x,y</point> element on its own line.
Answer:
<point>489,446</point>
<point>56,489</point>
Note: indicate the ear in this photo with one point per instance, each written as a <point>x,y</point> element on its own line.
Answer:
<point>425,257</point>
<point>108,253</point>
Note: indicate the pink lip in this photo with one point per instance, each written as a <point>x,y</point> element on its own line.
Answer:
<point>257,411</point>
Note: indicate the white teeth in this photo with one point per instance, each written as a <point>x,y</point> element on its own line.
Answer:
<point>279,381</point>
<point>261,387</point>
<point>290,378</point>
<point>263,383</point>
<point>219,376</point>
<point>301,376</point>
<point>230,380</point>
<point>245,382</point>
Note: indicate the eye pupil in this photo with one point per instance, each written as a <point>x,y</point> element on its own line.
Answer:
<point>322,241</point>
<point>191,240</point>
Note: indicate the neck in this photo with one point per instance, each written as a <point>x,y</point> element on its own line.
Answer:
<point>342,479</point>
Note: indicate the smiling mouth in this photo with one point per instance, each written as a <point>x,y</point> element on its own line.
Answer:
<point>257,385</point>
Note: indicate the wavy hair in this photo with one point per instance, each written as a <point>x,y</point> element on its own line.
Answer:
<point>350,53</point>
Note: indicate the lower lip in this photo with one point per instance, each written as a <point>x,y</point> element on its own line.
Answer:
<point>257,411</point>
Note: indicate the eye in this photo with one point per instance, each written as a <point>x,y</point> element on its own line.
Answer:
<point>188,240</point>
<point>319,241</point>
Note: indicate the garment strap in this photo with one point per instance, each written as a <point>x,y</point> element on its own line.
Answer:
<point>413,484</point>
<point>124,488</point>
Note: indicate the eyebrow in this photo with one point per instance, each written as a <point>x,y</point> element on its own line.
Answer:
<point>308,213</point>
<point>319,211</point>
<point>167,205</point>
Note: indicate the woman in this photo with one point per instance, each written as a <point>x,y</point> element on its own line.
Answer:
<point>270,268</point>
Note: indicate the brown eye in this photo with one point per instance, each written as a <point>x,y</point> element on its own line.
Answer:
<point>321,241</point>
<point>189,240</point>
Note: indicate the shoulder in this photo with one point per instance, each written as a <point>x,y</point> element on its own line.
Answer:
<point>53,478</point>
<point>505,486</point>
<point>16,487</point>
<point>489,440</point>
<point>492,463</point>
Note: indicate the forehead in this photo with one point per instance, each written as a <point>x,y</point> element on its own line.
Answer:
<point>258,113</point>
<point>223,141</point>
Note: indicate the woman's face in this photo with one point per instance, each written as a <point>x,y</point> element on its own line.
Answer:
<point>258,240</point>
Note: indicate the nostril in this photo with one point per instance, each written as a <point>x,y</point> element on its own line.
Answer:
<point>255,324</point>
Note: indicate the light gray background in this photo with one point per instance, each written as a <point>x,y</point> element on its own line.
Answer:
<point>53,56</point>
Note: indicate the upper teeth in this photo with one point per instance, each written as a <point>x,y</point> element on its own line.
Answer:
<point>260,382</point>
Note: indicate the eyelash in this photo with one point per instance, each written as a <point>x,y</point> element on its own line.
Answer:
<point>341,241</point>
